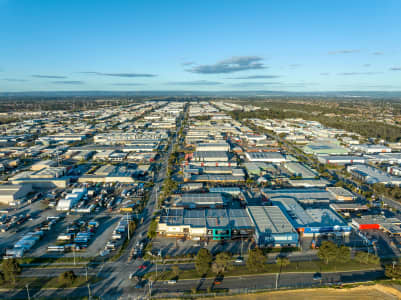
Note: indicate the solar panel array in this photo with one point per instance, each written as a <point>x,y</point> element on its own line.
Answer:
<point>210,218</point>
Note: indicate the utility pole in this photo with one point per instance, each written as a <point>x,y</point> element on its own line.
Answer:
<point>89,291</point>
<point>150,289</point>
<point>129,236</point>
<point>73,251</point>
<point>86,273</point>
<point>276,281</point>
<point>27,291</point>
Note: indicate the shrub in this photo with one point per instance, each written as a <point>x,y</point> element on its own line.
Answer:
<point>67,278</point>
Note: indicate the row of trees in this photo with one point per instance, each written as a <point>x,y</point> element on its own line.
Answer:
<point>329,252</point>
<point>392,192</point>
<point>204,261</point>
<point>152,229</point>
<point>9,271</point>
<point>223,261</point>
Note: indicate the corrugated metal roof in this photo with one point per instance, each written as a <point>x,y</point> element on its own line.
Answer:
<point>270,219</point>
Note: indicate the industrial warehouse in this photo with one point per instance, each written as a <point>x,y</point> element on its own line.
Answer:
<point>216,224</point>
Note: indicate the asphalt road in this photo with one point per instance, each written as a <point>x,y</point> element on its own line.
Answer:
<point>112,288</point>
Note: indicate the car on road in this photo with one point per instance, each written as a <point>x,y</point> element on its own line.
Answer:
<point>172,281</point>
<point>219,279</point>
<point>143,267</point>
<point>317,276</point>
<point>140,284</point>
<point>239,260</point>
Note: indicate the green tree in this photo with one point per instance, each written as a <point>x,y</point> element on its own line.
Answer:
<point>152,229</point>
<point>282,261</point>
<point>202,261</point>
<point>67,278</point>
<point>256,260</point>
<point>132,227</point>
<point>327,251</point>
<point>366,258</point>
<point>2,280</point>
<point>344,254</point>
<point>393,271</point>
<point>222,263</point>
<point>175,270</point>
<point>11,269</point>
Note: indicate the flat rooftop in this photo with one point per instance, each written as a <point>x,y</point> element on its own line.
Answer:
<point>201,199</point>
<point>270,219</point>
<point>210,218</point>
<point>299,194</point>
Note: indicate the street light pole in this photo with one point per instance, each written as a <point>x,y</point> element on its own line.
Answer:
<point>27,291</point>
<point>156,268</point>
<point>150,289</point>
<point>73,251</point>
<point>128,227</point>
<point>89,291</point>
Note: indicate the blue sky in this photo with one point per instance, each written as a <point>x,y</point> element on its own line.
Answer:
<point>203,45</point>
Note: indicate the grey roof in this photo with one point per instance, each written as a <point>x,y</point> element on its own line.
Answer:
<point>294,210</point>
<point>217,218</point>
<point>226,190</point>
<point>201,199</point>
<point>300,194</point>
<point>340,191</point>
<point>373,174</point>
<point>270,219</point>
<point>324,217</point>
<point>214,154</point>
<point>217,177</point>
<point>300,169</point>
<point>239,218</point>
<point>265,155</point>
<point>377,219</point>
<point>210,218</point>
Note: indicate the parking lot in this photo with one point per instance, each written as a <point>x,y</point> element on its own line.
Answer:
<point>179,247</point>
<point>96,244</point>
<point>37,215</point>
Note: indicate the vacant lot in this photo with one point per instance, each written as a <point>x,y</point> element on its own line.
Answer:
<point>359,293</point>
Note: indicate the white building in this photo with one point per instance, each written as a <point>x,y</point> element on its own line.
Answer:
<point>9,193</point>
<point>71,199</point>
<point>273,157</point>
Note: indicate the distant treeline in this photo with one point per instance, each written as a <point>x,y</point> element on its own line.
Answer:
<point>373,129</point>
<point>69,104</point>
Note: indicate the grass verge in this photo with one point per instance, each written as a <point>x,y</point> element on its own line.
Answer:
<point>48,282</point>
<point>304,266</point>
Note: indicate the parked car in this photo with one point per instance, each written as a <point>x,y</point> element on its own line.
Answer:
<point>239,260</point>
<point>317,276</point>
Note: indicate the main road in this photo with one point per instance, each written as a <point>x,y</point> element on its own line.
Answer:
<point>111,287</point>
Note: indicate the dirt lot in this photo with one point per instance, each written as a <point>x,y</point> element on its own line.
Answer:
<point>359,293</point>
